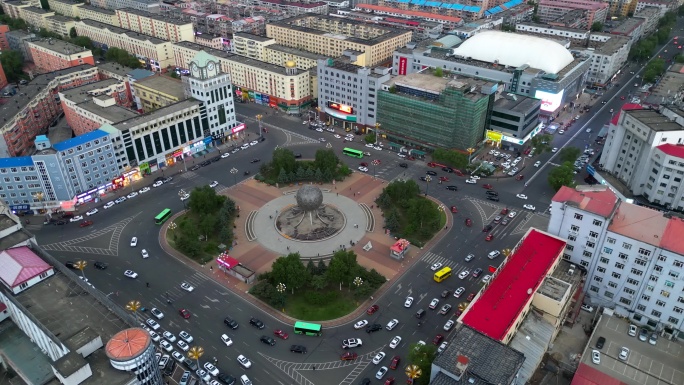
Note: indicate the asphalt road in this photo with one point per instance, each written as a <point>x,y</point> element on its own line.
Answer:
<point>109,238</point>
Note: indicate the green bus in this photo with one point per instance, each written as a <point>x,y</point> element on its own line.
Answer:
<point>353,153</point>
<point>307,328</point>
<point>162,217</point>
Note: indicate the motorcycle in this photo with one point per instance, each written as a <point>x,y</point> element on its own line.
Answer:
<point>246,173</point>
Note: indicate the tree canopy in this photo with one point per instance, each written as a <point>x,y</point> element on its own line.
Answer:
<point>563,175</point>
<point>569,154</point>
<point>12,64</point>
<point>452,158</point>
<point>122,57</point>
<point>541,143</point>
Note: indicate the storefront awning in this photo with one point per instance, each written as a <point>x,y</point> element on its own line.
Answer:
<point>395,145</point>
<point>417,152</point>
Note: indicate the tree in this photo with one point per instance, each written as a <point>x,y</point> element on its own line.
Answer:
<point>12,64</point>
<point>321,268</point>
<point>289,270</point>
<point>82,41</point>
<point>541,143</point>
<point>204,201</point>
<point>342,264</point>
<point>422,356</point>
<point>207,225</point>
<point>370,138</point>
<point>318,282</point>
<point>452,158</point>
<point>563,175</point>
<point>438,72</point>
<point>326,160</point>
<point>72,33</point>
<point>569,154</point>
<point>284,159</point>
<point>392,221</point>
<point>311,267</point>
<point>597,27</point>
<point>122,57</point>
<point>13,24</point>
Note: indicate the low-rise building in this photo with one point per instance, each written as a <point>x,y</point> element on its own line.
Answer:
<point>157,91</point>
<point>156,54</point>
<point>53,54</point>
<point>17,42</point>
<point>90,106</point>
<point>662,5</point>
<point>13,8</point>
<point>140,5</point>
<point>593,11</point>
<point>153,24</point>
<point>294,8</point>
<point>69,8</point>
<point>252,46</point>
<point>607,55</point>
<point>36,16</point>
<point>213,41</point>
<point>651,15</point>
<point>4,44</point>
<point>101,15</point>
<point>60,25</point>
<point>516,117</point>
<point>420,112</point>
<point>632,27</point>
<point>449,17</point>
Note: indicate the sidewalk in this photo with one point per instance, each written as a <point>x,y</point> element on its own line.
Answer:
<point>249,196</point>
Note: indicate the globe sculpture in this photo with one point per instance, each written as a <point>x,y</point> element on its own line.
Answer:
<point>309,219</point>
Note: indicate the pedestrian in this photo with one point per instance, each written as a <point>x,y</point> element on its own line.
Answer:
<point>314,367</point>
<point>446,227</point>
<point>288,248</point>
<point>211,268</point>
<point>338,194</point>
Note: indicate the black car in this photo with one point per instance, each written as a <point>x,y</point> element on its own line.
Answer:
<point>487,228</point>
<point>447,169</point>
<point>230,323</point>
<point>600,342</point>
<point>100,265</point>
<point>365,381</point>
<point>263,138</point>
<point>255,160</point>
<point>493,198</point>
<point>298,349</point>
<point>430,172</point>
<point>59,223</point>
<point>70,265</point>
<point>452,188</point>
<point>195,167</point>
<point>422,178</point>
<point>298,155</point>
<point>373,328</point>
<point>191,364</point>
<point>477,272</point>
<point>169,367</point>
<point>205,163</point>
<point>267,340</point>
<point>446,293</point>
<point>67,215</point>
<point>226,378</point>
<point>159,178</point>
<point>403,165</point>
<point>256,323</point>
<point>167,179</point>
<point>215,159</point>
<point>492,193</point>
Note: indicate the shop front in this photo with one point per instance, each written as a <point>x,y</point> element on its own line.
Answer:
<point>94,195</point>
<point>342,116</point>
<point>127,178</point>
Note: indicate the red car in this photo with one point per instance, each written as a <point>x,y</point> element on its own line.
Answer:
<point>281,334</point>
<point>470,297</point>
<point>86,223</point>
<point>184,313</point>
<point>519,177</point>
<point>395,362</point>
<point>468,222</point>
<point>487,186</point>
<point>622,98</point>
<point>489,237</point>
<point>438,339</point>
<point>504,211</point>
<point>443,179</point>
<point>363,164</point>
<point>389,381</point>
<point>454,209</point>
<point>349,356</point>
<point>372,309</point>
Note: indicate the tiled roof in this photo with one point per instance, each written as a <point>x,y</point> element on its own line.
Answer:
<point>672,149</point>
<point>19,264</point>
<point>599,202</point>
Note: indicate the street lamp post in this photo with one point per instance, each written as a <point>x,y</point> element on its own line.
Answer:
<point>81,265</point>
<point>375,162</point>
<point>258,118</point>
<point>377,132</point>
<point>134,306</point>
<point>234,171</point>
<point>280,288</point>
<point>470,154</point>
<point>428,179</point>
<point>195,353</point>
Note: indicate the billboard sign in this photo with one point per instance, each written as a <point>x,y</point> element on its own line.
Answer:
<point>550,102</point>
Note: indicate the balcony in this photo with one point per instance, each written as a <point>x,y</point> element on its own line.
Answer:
<point>573,233</point>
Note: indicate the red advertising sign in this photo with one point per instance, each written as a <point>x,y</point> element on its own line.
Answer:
<point>402,65</point>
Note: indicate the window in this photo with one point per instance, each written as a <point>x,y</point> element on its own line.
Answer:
<point>660,303</point>
<point>599,279</point>
<point>677,263</point>
<point>572,238</point>
<point>612,284</point>
<point>658,269</point>
<point>649,287</point>
<point>641,307</point>
<point>678,310</point>
<point>656,313</point>
<point>586,254</point>
<point>623,256</point>
<point>625,301</point>
<point>619,265</point>
<point>616,275</point>
<point>593,288</point>
<point>590,244</point>
<point>608,294</point>
<point>644,252</point>
<point>601,269</point>
<point>646,297</point>
<point>597,222</point>
<point>669,283</point>
<point>604,260</point>
<point>570,247</point>
<point>607,250</point>
<point>673,320</point>
<point>632,281</point>
<point>640,262</point>
<point>611,240</point>
<point>626,246</point>
<point>637,272</point>
<point>579,216</point>
<point>662,258</point>
<point>629,291</point>
<point>673,274</point>
<point>665,293</point>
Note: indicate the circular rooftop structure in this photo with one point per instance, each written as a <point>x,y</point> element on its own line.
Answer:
<point>128,344</point>
<point>516,50</point>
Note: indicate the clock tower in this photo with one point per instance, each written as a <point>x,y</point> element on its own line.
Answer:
<point>212,87</point>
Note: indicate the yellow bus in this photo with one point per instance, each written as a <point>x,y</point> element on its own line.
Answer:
<point>443,274</point>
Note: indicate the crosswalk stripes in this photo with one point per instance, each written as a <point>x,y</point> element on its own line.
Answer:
<point>189,175</point>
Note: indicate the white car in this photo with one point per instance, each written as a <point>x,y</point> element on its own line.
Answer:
<point>442,347</point>
<point>319,130</point>
<point>364,169</point>
<point>92,212</point>
<point>321,140</point>
<point>187,287</point>
<point>203,375</point>
<point>486,278</point>
<point>596,357</point>
<point>183,345</point>
<point>408,302</point>
<point>185,336</point>
<point>244,146</point>
<point>378,357</point>
<point>381,373</point>
<point>361,324</point>
<point>120,200</point>
<point>392,324</point>
<point>134,241</point>
<point>624,353</point>
<point>169,336</point>
<point>337,136</point>
<point>130,274</point>
<point>157,183</point>
<point>529,207</point>
<point>471,181</point>
<point>377,148</point>
<point>211,369</point>
<point>436,266</point>
<point>226,340</point>
<point>475,177</point>
<point>213,184</point>
<point>185,197</point>
<point>512,214</point>
<point>244,361</point>
<point>521,196</point>
<point>395,342</point>
<point>448,325</point>
<point>132,195</point>
<point>157,313</point>
<point>434,303</point>
<point>555,149</point>
<point>352,343</point>
<point>178,356</point>
<point>459,292</point>
<point>464,274</point>
<point>108,205</point>
<point>369,145</point>
<point>144,190</point>
<point>537,163</point>
<point>152,323</point>
<point>225,155</point>
<point>145,254</point>
<point>155,337</point>
<point>76,218</point>
<point>244,380</point>
<point>166,345</point>
<point>254,143</point>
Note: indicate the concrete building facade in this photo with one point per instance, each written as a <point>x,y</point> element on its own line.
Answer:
<point>155,25</point>
<point>52,55</point>
<point>4,44</point>
<point>593,11</point>
<point>68,8</point>
<point>80,104</point>
<point>101,15</point>
<point>155,92</point>
<point>60,25</point>
<point>36,16</point>
<point>140,5</point>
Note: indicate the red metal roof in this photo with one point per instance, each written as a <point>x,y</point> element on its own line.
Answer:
<point>672,236</point>
<point>128,344</point>
<point>499,306</point>
<point>19,264</point>
<point>597,202</point>
<point>672,149</point>
<point>625,107</point>
<point>588,375</point>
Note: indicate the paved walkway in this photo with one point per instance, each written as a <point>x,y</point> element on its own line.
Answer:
<point>252,195</point>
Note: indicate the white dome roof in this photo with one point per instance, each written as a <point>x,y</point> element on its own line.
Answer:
<point>516,50</point>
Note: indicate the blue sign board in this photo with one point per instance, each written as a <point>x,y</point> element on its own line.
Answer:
<point>591,170</point>
<point>20,207</point>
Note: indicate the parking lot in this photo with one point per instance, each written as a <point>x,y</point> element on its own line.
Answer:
<point>646,364</point>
